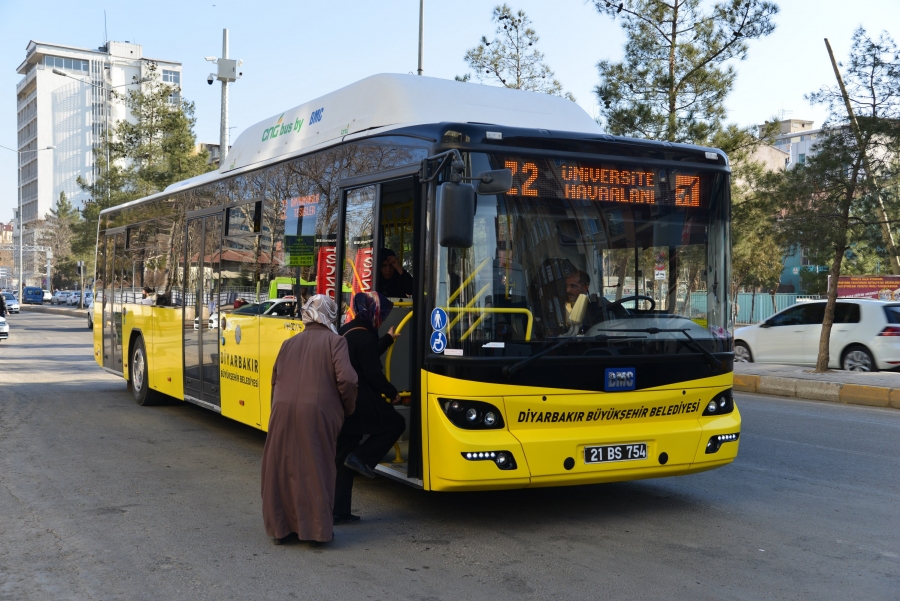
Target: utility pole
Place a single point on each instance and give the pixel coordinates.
(421, 32)
(223, 119)
(886, 232)
(227, 72)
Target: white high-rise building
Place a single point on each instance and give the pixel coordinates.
(71, 116)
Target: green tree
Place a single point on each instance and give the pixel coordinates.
(512, 58)
(57, 232)
(757, 256)
(672, 83)
(156, 149)
(830, 203)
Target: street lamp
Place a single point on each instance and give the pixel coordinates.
(21, 224)
(135, 81)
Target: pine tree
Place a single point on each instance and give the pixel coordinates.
(512, 58)
(673, 80)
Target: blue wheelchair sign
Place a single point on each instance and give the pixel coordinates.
(438, 342)
(438, 319)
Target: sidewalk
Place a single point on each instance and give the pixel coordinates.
(55, 310)
(878, 389)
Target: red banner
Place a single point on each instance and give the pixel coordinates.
(326, 270)
(362, 270)
(883, 287)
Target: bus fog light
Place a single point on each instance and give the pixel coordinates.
(711, 407)
(472, 415)
(715, 443)
(502, 459)
(490, 419)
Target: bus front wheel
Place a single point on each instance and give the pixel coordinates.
(140, 381)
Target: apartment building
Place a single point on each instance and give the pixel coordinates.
(64, 104)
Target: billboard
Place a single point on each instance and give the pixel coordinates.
(883, 287)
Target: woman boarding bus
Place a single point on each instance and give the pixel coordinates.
(568, 321)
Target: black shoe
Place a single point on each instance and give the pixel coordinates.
(345, 519)
(278, 541)
(358, 466)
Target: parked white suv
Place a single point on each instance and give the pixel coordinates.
(865, 336)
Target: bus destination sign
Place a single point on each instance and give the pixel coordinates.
(606, 183)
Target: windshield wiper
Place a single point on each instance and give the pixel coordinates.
(710, 358)
(510, 370)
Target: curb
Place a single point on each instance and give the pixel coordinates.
(54, 310)
(834, 392)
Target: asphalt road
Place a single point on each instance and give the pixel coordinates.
(101, 499)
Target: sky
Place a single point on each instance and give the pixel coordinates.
(296, 51)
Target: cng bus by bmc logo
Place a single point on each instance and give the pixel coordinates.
(316, 116)
(619, 378)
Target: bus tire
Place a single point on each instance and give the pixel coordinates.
(139, 372)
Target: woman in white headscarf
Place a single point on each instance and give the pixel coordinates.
(313, 388)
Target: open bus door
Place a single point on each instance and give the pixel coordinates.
(382, 212)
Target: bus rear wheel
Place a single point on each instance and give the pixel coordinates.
(140, 381)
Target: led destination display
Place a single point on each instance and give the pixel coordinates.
(606, 182)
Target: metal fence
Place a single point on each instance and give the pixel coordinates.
(762, 308)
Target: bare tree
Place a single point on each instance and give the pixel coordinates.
(512, 58)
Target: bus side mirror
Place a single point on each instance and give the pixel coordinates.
(494, 182)
(457, 212)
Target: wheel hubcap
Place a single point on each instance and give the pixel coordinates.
(857, 361)
(137, 370)
(741, 354)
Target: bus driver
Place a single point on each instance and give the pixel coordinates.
(578, 283)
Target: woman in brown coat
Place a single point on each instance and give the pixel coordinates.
(313, 388)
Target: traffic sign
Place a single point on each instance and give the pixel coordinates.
(438, 319)
(438, 342)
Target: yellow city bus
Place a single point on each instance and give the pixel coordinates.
(569, 322)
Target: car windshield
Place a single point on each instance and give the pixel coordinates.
(648, 249)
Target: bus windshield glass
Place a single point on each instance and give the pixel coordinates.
(648, 247)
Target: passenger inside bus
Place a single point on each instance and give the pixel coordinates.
(394, 281)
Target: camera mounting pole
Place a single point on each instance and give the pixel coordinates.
(228, 72)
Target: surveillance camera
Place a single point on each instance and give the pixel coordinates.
(210, 79)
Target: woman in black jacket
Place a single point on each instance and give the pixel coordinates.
(375, 414)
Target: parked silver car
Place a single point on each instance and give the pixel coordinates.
(12, 305)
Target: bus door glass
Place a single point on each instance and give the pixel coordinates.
(243, 255)
(112, 302)
(201, 309)
(359, 250)
(394, 274)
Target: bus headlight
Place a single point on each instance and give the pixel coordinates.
(721, 404)
(472, 415)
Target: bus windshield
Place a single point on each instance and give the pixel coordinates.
(648, 247)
